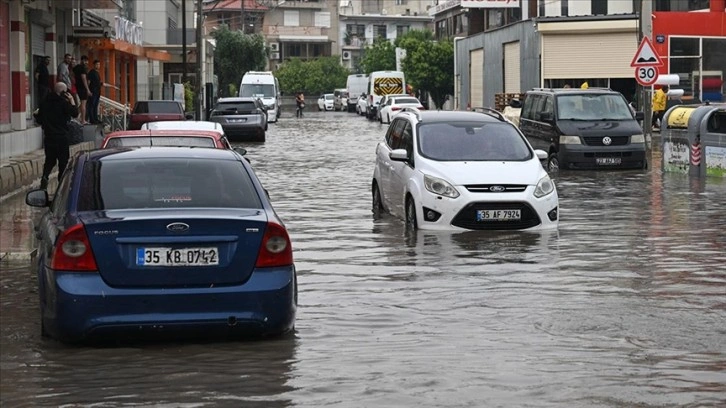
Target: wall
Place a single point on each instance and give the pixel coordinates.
(700, 24)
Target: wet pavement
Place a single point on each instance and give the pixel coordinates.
(624, 305)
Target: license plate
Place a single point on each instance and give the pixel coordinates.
(608, 160)
(177, 257)
(498, 215)
(238, 120)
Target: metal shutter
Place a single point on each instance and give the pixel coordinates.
(476, 78)
(588, 55)
(511, 68)
(37, 39)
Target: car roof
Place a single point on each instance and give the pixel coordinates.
(165, 132)
(159, 152)
(574, 90)
(454, 116)
(183, 125)
(238, 99)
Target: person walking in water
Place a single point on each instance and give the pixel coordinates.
(300, 101)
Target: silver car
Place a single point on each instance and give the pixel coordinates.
(242, 118)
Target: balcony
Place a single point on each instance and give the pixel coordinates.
(174, 36)
(297, 31)
(303, 4)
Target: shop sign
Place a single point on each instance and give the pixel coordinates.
(129, 31)
(443, 6)
(490, 3)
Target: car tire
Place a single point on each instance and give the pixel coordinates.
(319, 108)
(411, 222)
(388, 117)
(553, 162)
(261, 137)
(376, 199)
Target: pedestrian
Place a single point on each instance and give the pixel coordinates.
(63, 73)
(95, 84)
(72, 86)
(56, 110)
(80, 72)
(300, 101)
(659, 105)
(584, 85)
(42, 79)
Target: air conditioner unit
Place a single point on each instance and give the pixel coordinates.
(275, 56)
(274, 47)
(346, 55)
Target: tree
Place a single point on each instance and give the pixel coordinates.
(312, 77)
(429, 66)
(235, 54)
(381, 56)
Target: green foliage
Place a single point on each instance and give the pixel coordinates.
(189, 96)
(381, 56)
(237, 53)
(313, 77)
(429, 65)
(232, 89)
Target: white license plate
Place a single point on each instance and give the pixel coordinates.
(242, 120)
(177, 257)
(608, 160)
(498, 215)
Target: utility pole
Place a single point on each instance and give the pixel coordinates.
(184, 41)
(200, 62)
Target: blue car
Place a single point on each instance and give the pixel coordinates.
(162, 240)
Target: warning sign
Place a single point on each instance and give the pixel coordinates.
(646, 55)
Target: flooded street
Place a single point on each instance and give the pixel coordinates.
(624, 305)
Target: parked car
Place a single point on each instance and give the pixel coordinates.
(362, 106)
(382, 102)
(395, 104)
(243, 119)
(462, 171)
(155, 138)
(155, 111)
(162, 241)
(325, 102)
(340, 99)
(583, 128)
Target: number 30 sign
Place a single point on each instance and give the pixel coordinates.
(646, 76)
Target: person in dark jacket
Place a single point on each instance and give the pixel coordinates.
(94, 83)
(56, 110)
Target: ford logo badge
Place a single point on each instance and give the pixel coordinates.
(606, 141)
(497, 189)
(178, 227)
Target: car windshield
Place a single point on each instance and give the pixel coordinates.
(593, 107)
(405, 100)
(472, 141)
(192, 141)
(233, 108)
(166, 183)
(157, 107)
(329, 96)
(257, 90)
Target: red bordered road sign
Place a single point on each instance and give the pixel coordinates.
(646, 76)
(646, 56)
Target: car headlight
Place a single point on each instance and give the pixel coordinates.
(637, 139)
(570, 140)
(544, 187)
(440, 186)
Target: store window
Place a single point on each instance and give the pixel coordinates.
(699, 64)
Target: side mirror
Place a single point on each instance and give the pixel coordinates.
(189, 116)
(547, 116)
(515, 103)
(398, 155)
(37, 198)
(640, 115)
(241, 150)
(541, 154)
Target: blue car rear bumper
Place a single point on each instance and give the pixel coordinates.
(81, 306)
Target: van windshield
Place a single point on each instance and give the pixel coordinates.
(257, 90)
(593, 107)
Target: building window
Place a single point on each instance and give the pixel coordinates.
(564, 11)
(317, 50)
(401, 2)
(322, 19)
(541, 8)
(402, 30)
(380, 31)
(599, 7)
(223, 18)
(358, 30)
(292, 18)
(293, 50)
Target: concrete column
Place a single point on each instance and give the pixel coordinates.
(18, 74)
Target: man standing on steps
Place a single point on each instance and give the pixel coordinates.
(56, 110)
(94, 83)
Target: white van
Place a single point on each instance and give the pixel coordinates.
(383, 83)
(357, 84)
(263, 85)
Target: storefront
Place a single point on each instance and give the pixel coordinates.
(692, 45)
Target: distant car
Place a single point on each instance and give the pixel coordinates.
(340, 101)
(462, 171)
(155, 111)
(395, 104)
(162, 241)
(155, 138)
(362, 105)
(184, 125)
(242, 118)
(325, 102)
(376, 111)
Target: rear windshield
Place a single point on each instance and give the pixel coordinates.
(161, 141)
(593, 107)
(157, 107)
(166, 183)
(472, 141)
(406, 100)
(233, 108)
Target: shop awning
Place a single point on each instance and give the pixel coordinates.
(108, 44)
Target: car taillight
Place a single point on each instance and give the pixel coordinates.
(421, 107)
(73, 251)
(394, 108)
(276, 249)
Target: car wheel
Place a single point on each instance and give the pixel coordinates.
(377, 201)
(319, 108)
(553, 162)
(645, 165)
(411, 214)
(261, 137)
(388, 117)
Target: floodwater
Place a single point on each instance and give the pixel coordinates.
(623, 306)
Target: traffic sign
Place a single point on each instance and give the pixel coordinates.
(646, 76)
(646, 56)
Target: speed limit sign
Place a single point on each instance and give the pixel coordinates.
(647, 75)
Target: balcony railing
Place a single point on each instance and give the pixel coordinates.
(287, 30)
(307, 4)
(174, 36)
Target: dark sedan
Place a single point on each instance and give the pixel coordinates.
(243, 119)
(162, 240)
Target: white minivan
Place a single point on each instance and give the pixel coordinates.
(383, 83)
(263, 85)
